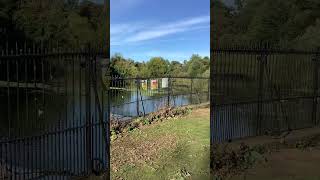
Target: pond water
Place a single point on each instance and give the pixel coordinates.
(125, 103)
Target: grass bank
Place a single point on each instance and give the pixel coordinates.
(177, 148)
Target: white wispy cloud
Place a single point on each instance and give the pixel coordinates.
(167, 29)
(119, 32)
(131, 33)
(125, 28)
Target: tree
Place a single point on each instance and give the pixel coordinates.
(68, 22)
(222, 20)
(122, 67)
(311, 38)
(143, 70)
(197, 66)
(176, 69)
(158, 67)
(8, 33)
(275, 21)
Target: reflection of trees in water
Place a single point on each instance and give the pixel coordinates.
(119, 97)
(150, 101)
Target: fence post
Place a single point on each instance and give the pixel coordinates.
(169, 86)
(315, 89)
(159, 85)
(138, 88)
(208, 94)
(262, 60)
(191, 83)
(88, 113)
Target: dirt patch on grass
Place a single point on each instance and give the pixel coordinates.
(129, 151)
(202, 112)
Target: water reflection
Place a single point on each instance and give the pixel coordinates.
(126, 102)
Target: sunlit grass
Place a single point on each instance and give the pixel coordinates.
(172, 149)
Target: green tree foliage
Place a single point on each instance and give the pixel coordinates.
(311, 38)
(176, 69)
(6, 7)
(123, 67)
(222, 20)
(196, 66)
(7, 27)
(158, 67)
(289, 22)
(69, 22)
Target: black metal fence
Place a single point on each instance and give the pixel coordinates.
(132, 97)
(54, 113)
(263, 90)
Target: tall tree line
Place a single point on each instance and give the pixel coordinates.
(293, 23)
(68, 22)
(196, 66)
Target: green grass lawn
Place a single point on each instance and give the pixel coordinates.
(172, 149)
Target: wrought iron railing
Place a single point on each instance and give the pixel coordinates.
(138, 96)
(263, 90)
(54, 113)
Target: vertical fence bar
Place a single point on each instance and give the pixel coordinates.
(137, 94)
(191, 89)
(8, 95)
(35, 83)
(315, 90)
(26, 89)
(261, 60)
(88, 115)
(18, 97)
(169, 85)
(208, 93)
(2, 173)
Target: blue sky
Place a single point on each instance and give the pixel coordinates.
(173, 29)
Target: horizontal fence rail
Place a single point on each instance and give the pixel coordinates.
(54, 113)
(263, 91)
(139, 96)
